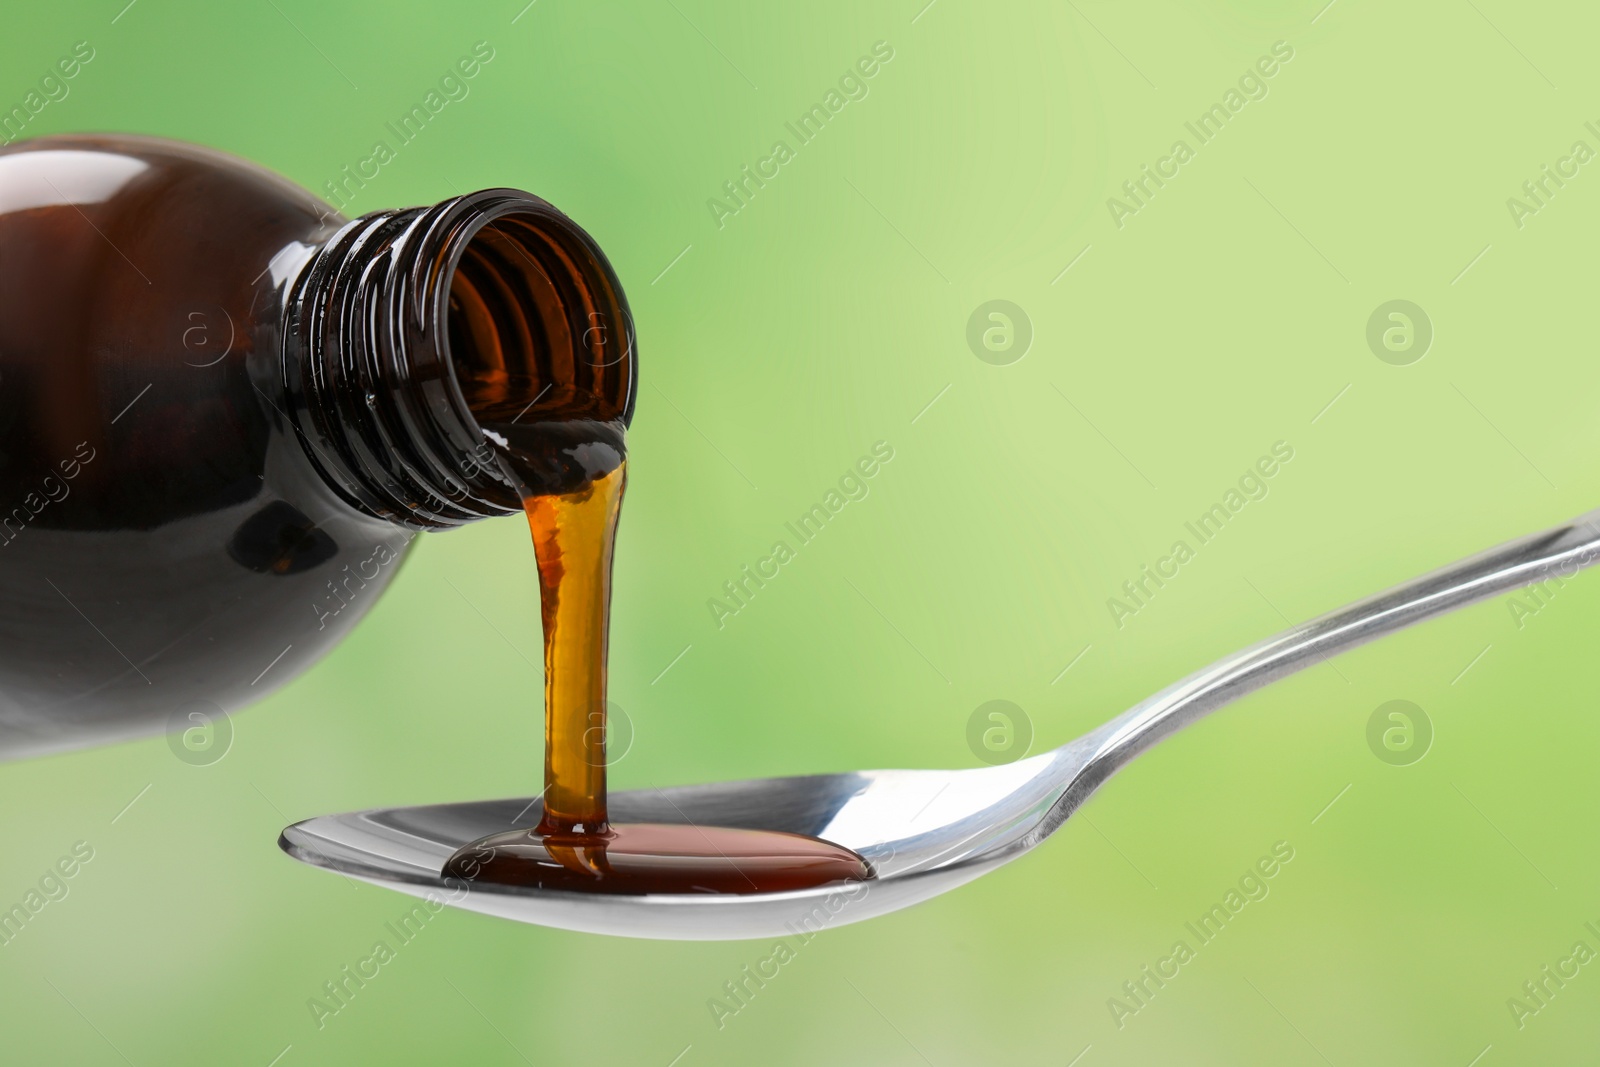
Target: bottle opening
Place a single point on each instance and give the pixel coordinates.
(534, 331)
(431, 350)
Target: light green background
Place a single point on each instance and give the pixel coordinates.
(1223, 317)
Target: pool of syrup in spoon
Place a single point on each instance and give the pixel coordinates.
(574, 846)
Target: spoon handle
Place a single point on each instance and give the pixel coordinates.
(1557, 553)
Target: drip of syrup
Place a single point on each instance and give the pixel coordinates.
(574, 846)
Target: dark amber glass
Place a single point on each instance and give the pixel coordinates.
(225, 411)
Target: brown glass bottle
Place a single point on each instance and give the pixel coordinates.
(225, 411)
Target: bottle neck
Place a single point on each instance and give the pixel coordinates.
(409, 331)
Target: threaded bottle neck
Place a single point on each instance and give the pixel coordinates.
(411, 332)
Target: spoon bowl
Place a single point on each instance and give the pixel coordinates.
(924, 832)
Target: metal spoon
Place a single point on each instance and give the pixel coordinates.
(924, 832)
